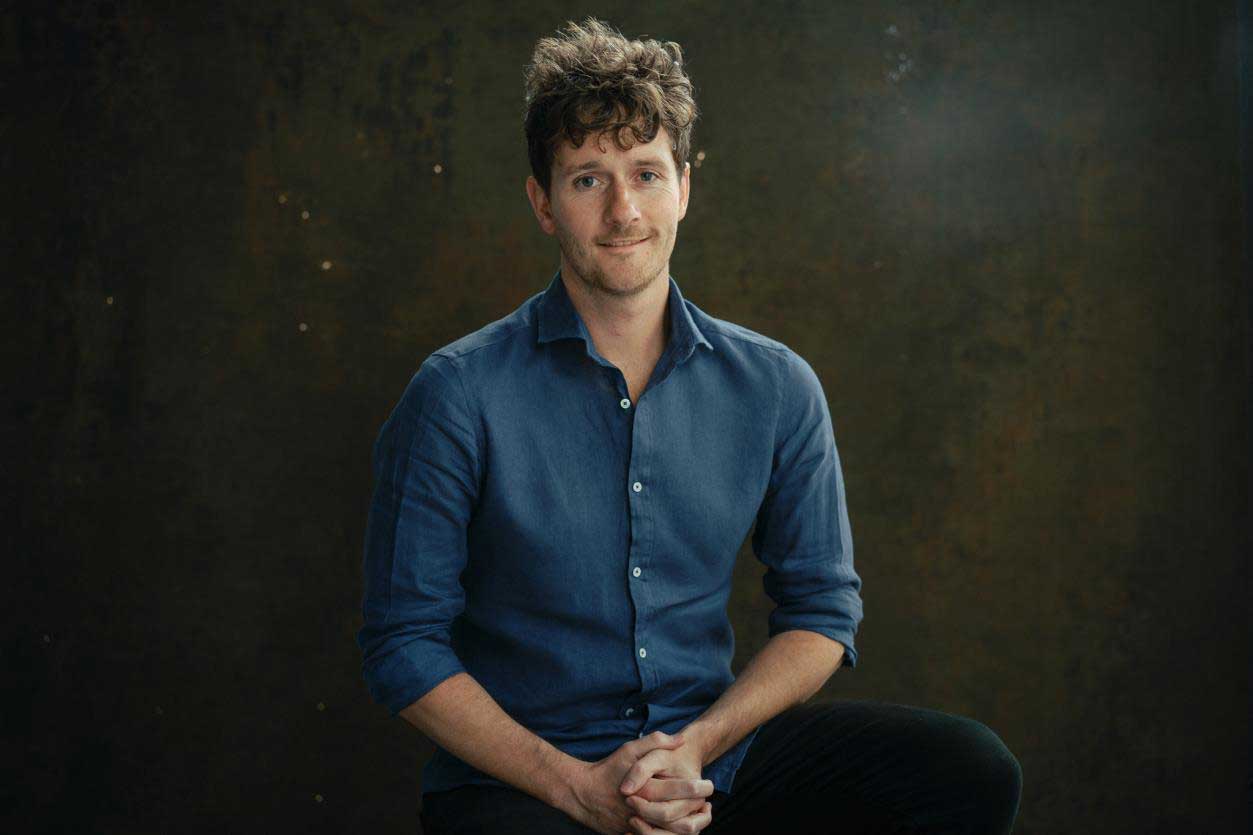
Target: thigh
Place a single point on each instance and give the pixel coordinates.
(474, 809)
(862, 766)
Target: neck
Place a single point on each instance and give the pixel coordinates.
(626, 330)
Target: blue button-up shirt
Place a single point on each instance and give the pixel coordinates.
(572, 549)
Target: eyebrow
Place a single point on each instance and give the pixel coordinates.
(591, 165)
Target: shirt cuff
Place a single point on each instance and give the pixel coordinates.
(409, 672)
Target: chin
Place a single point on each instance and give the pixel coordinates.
(624, 285)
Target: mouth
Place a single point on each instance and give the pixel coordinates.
(624, 247)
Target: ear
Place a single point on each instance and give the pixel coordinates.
(685, 186)
(540, 205)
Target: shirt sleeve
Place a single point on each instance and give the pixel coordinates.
(802, 533)
(426, 477)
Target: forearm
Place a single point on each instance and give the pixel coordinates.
(789, 669)
(463, 719)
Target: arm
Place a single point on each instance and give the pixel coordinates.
(788, 670)
(463, 719)
(427, 471)
(426, 476)
(804, 539)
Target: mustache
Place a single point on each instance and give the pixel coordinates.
(626, 235)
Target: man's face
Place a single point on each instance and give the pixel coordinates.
(600, 194)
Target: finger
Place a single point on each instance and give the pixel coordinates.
(662, 813)
(644, 768)
(706, 816)
(657, 739)
(642, 827)
(684, 826)
(692, 823)
(676, 788)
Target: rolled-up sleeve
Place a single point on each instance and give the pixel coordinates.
(802, 533)
(426, 476)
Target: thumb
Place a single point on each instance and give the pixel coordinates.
(654, 762)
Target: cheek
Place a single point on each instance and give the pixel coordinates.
(665, 208)
(575, 221)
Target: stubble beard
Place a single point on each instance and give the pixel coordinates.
(588, 269)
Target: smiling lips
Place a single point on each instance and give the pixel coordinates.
(624, 246)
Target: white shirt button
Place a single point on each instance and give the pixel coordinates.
(630, 710)
(643, 652)
(636, 572)
(637, 487)
(624, 403)
(640, 735)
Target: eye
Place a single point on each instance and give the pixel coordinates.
(656, 176)
(581, 179)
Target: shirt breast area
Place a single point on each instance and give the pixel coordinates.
(574, 474)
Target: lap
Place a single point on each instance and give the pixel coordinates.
(871, 766)
(860, 766)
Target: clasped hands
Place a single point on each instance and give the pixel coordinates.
(649, 786)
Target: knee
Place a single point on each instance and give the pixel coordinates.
(994, 772)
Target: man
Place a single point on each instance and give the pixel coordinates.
(560, 499)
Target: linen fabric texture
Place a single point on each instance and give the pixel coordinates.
(572, 549)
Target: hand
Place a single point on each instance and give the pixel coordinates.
(659, 790)
(595, 798)
(694, 822)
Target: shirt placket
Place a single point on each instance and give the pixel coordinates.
(639, 503)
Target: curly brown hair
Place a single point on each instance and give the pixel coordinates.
(591, 79)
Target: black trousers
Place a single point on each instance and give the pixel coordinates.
(847, 767)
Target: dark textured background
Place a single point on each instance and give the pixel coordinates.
(1015, 263)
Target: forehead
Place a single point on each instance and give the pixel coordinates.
(600, 149)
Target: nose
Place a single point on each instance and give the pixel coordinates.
(621, 210)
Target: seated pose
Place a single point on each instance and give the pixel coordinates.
(560, 497)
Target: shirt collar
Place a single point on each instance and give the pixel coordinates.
(559, 320)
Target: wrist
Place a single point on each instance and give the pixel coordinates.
(700, 736)
(568, 773)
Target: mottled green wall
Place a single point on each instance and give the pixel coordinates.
(1006, 235)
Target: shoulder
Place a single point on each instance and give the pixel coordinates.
(452, 372)
(478, 357)
(499, 334)
(724, 334)
(751, 348)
